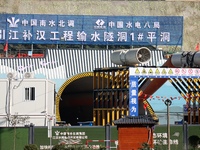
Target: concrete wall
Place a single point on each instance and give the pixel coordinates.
(189, 9)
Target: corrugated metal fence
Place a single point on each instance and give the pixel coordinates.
(64, 63)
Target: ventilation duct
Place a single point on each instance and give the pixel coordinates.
(186, 59)
(131, 57)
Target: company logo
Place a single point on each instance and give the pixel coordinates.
(12, 22)
(100, 24)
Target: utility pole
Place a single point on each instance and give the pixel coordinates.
(50, 130)
(168, 103)
(185, 135)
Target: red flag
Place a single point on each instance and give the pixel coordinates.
(158, 97)
(188, 95)
(197, 47)
(145, 106)
(145, 95)
(5, 47)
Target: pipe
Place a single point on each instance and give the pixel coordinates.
(186, 59)
(131, 57)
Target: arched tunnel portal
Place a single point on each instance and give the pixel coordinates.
(74, 101)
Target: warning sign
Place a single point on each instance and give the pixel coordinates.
(164, 72)
(196, 71)
(137, 71)
(177, 71)
(150, 71)
(144, 71)
(183, 71)
(190, 71)
(157, 72)
(170, 72)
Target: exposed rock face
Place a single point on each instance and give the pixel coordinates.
(189, 9)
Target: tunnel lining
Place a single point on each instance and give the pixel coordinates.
(62, 88)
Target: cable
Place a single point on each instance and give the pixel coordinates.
(16, 86)
(7, 106)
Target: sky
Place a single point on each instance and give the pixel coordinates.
(167, 90)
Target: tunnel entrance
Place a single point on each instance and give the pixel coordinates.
(76, 104)
(75, 99)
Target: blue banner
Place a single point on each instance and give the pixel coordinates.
(133, 96)
(93, 30)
